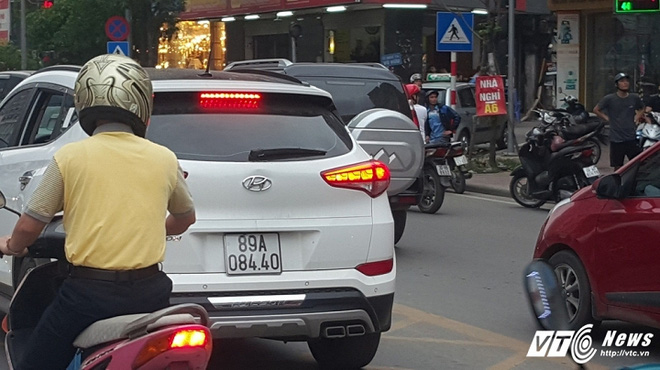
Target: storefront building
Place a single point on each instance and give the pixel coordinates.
(596, 39)
(402, 36)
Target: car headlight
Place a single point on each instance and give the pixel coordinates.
(562, 203)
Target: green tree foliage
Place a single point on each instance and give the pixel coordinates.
(10, 59)
(73, 31)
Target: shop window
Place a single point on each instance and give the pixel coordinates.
(190, 44)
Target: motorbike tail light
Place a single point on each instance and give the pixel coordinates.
(236, 100)
(372, 177)
(172, 341)
(376, 268)
(587, 152)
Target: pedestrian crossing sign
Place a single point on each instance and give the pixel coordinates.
(118, 47)
(454, 32)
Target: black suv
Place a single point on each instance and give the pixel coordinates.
(356, 88)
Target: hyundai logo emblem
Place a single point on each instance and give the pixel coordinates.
(257, 183)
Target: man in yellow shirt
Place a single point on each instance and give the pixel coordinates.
(115, 189)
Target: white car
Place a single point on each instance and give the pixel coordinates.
(294, 234)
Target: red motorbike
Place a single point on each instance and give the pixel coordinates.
(174, 337)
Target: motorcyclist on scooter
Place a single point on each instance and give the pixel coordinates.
(115, 189)
(441, 119)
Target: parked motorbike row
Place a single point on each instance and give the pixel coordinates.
(174, 337)
(559, 156)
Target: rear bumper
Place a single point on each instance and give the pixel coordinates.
(293, 314)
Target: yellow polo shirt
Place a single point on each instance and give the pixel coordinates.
(115, 189)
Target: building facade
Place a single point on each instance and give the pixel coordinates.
(605, 41)
(378, 31)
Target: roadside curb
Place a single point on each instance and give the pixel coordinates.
(486, 189)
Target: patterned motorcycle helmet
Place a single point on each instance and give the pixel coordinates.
(115, 88)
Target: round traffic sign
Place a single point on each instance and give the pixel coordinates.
(117, 28)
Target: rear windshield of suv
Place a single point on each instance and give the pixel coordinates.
(354, 96)
(231, 133)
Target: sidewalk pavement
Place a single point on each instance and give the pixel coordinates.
(498, 183)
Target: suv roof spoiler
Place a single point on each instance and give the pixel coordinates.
(276, 64)
(62, 67)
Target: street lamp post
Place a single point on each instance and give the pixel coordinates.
(23, 40)
(511, 79)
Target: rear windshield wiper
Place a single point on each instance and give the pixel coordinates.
(257, 155)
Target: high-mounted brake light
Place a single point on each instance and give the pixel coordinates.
(237, 100)
(376, 268)
(184, 338)
(372, 177)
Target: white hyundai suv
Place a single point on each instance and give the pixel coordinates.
(294, 235)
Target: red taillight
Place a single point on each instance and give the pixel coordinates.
(587, 152)
(184, 338)
(376, 268)
(372, 177)
(229, 100)
(189, 338)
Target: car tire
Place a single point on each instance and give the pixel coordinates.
(518, 190)
(433, 194)
(399, 217)
(574, 283)
(345, 353)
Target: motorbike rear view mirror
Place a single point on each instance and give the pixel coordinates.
(609, 187)
(545, 296)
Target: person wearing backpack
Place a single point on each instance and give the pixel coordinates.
(441, 119)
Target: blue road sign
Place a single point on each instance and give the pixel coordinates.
(118, 47)
(454, 31)
(391, 60)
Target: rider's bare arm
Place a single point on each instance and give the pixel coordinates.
(26, 231)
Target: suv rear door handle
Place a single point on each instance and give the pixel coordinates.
(25, 179)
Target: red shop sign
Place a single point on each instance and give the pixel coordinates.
(490, 96)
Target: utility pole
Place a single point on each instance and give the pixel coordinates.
(23, 40)
(511, 82)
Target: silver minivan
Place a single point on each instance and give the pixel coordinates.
(466, 106)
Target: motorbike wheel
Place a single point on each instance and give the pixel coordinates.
(458, 181)
(595, 157)
(518, 190)
(433, 194)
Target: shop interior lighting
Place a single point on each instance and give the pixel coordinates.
(335, 9)
(251, 17)
(284, 14)
(405, 6)
(228, 19)
(479, 11)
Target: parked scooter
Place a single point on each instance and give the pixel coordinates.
(174, 337)
(444, 166)
(648, 133)
(551, 167)
(574, 124)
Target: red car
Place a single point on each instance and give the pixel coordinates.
(604, 244)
